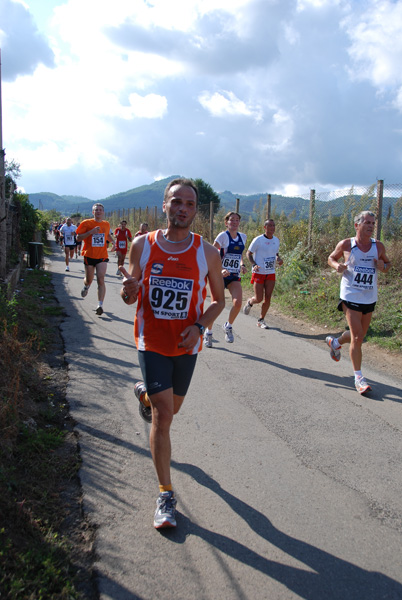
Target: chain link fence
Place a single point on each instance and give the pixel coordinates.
(318, 215)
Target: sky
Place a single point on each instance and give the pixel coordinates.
(253, 96)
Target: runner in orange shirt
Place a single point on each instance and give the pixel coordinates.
(168, 273)
(95, 233)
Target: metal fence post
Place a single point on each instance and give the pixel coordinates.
(380, 196)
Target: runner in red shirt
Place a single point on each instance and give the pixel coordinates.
(123, 236)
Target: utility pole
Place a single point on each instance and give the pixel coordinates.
(3, 214)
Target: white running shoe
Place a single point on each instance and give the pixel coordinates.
(247, 307)
(362, 386)
(229, 338)
(208, 339)
(165, 514)
(261, 323)
(144, 405)
(334, 354)
(67, 268)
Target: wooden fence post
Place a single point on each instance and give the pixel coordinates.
(268, 206)
(311, 219)
(237, 205)
(380, 196)
(211, 222)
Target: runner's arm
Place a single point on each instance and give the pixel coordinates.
(85, 234)
(383, 263)
(130, 288)
(333, 258)
(191, 334)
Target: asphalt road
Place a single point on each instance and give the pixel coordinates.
(289, 484)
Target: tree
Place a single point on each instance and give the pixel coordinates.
(206, 195)
(29, 219)
(12, 169)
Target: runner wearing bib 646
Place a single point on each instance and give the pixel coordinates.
(168, 273)
(263, 253)
(95, 233)
(231, 245)
(363, 257)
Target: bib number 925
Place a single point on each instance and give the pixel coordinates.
(168, 299)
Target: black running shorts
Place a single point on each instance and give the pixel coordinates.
(363, 308)
(163, 372)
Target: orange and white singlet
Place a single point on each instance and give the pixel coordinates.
(94, 246)
(171, 296)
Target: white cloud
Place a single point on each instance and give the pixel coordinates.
(256, 94)
(150, 106)
(376, 43)
(223, 104)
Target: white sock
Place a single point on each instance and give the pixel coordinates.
(336, 344)
(358, 374)
(208, 330)
(100, 303)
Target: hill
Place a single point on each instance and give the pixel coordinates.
(152, 195)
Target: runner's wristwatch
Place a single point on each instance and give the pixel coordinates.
(200, 327)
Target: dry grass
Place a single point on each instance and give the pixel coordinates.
(45, 541)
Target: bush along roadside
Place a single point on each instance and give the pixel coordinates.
(46, 543)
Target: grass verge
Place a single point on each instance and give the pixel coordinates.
(45, 541)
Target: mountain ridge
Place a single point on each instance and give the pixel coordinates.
(151, 196)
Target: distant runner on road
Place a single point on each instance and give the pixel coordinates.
(263, 253)
(123, 236)
(67, 232)
(363, 257)
(168, 272)
(95, 233)
(144, 228)
(231, 244)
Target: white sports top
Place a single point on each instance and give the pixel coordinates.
(265, 250)
(359, 281)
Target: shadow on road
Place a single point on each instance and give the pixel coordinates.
(380, 391)
(333, 577)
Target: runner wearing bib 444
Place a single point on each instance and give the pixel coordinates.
(231, 244)
(363, 257)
